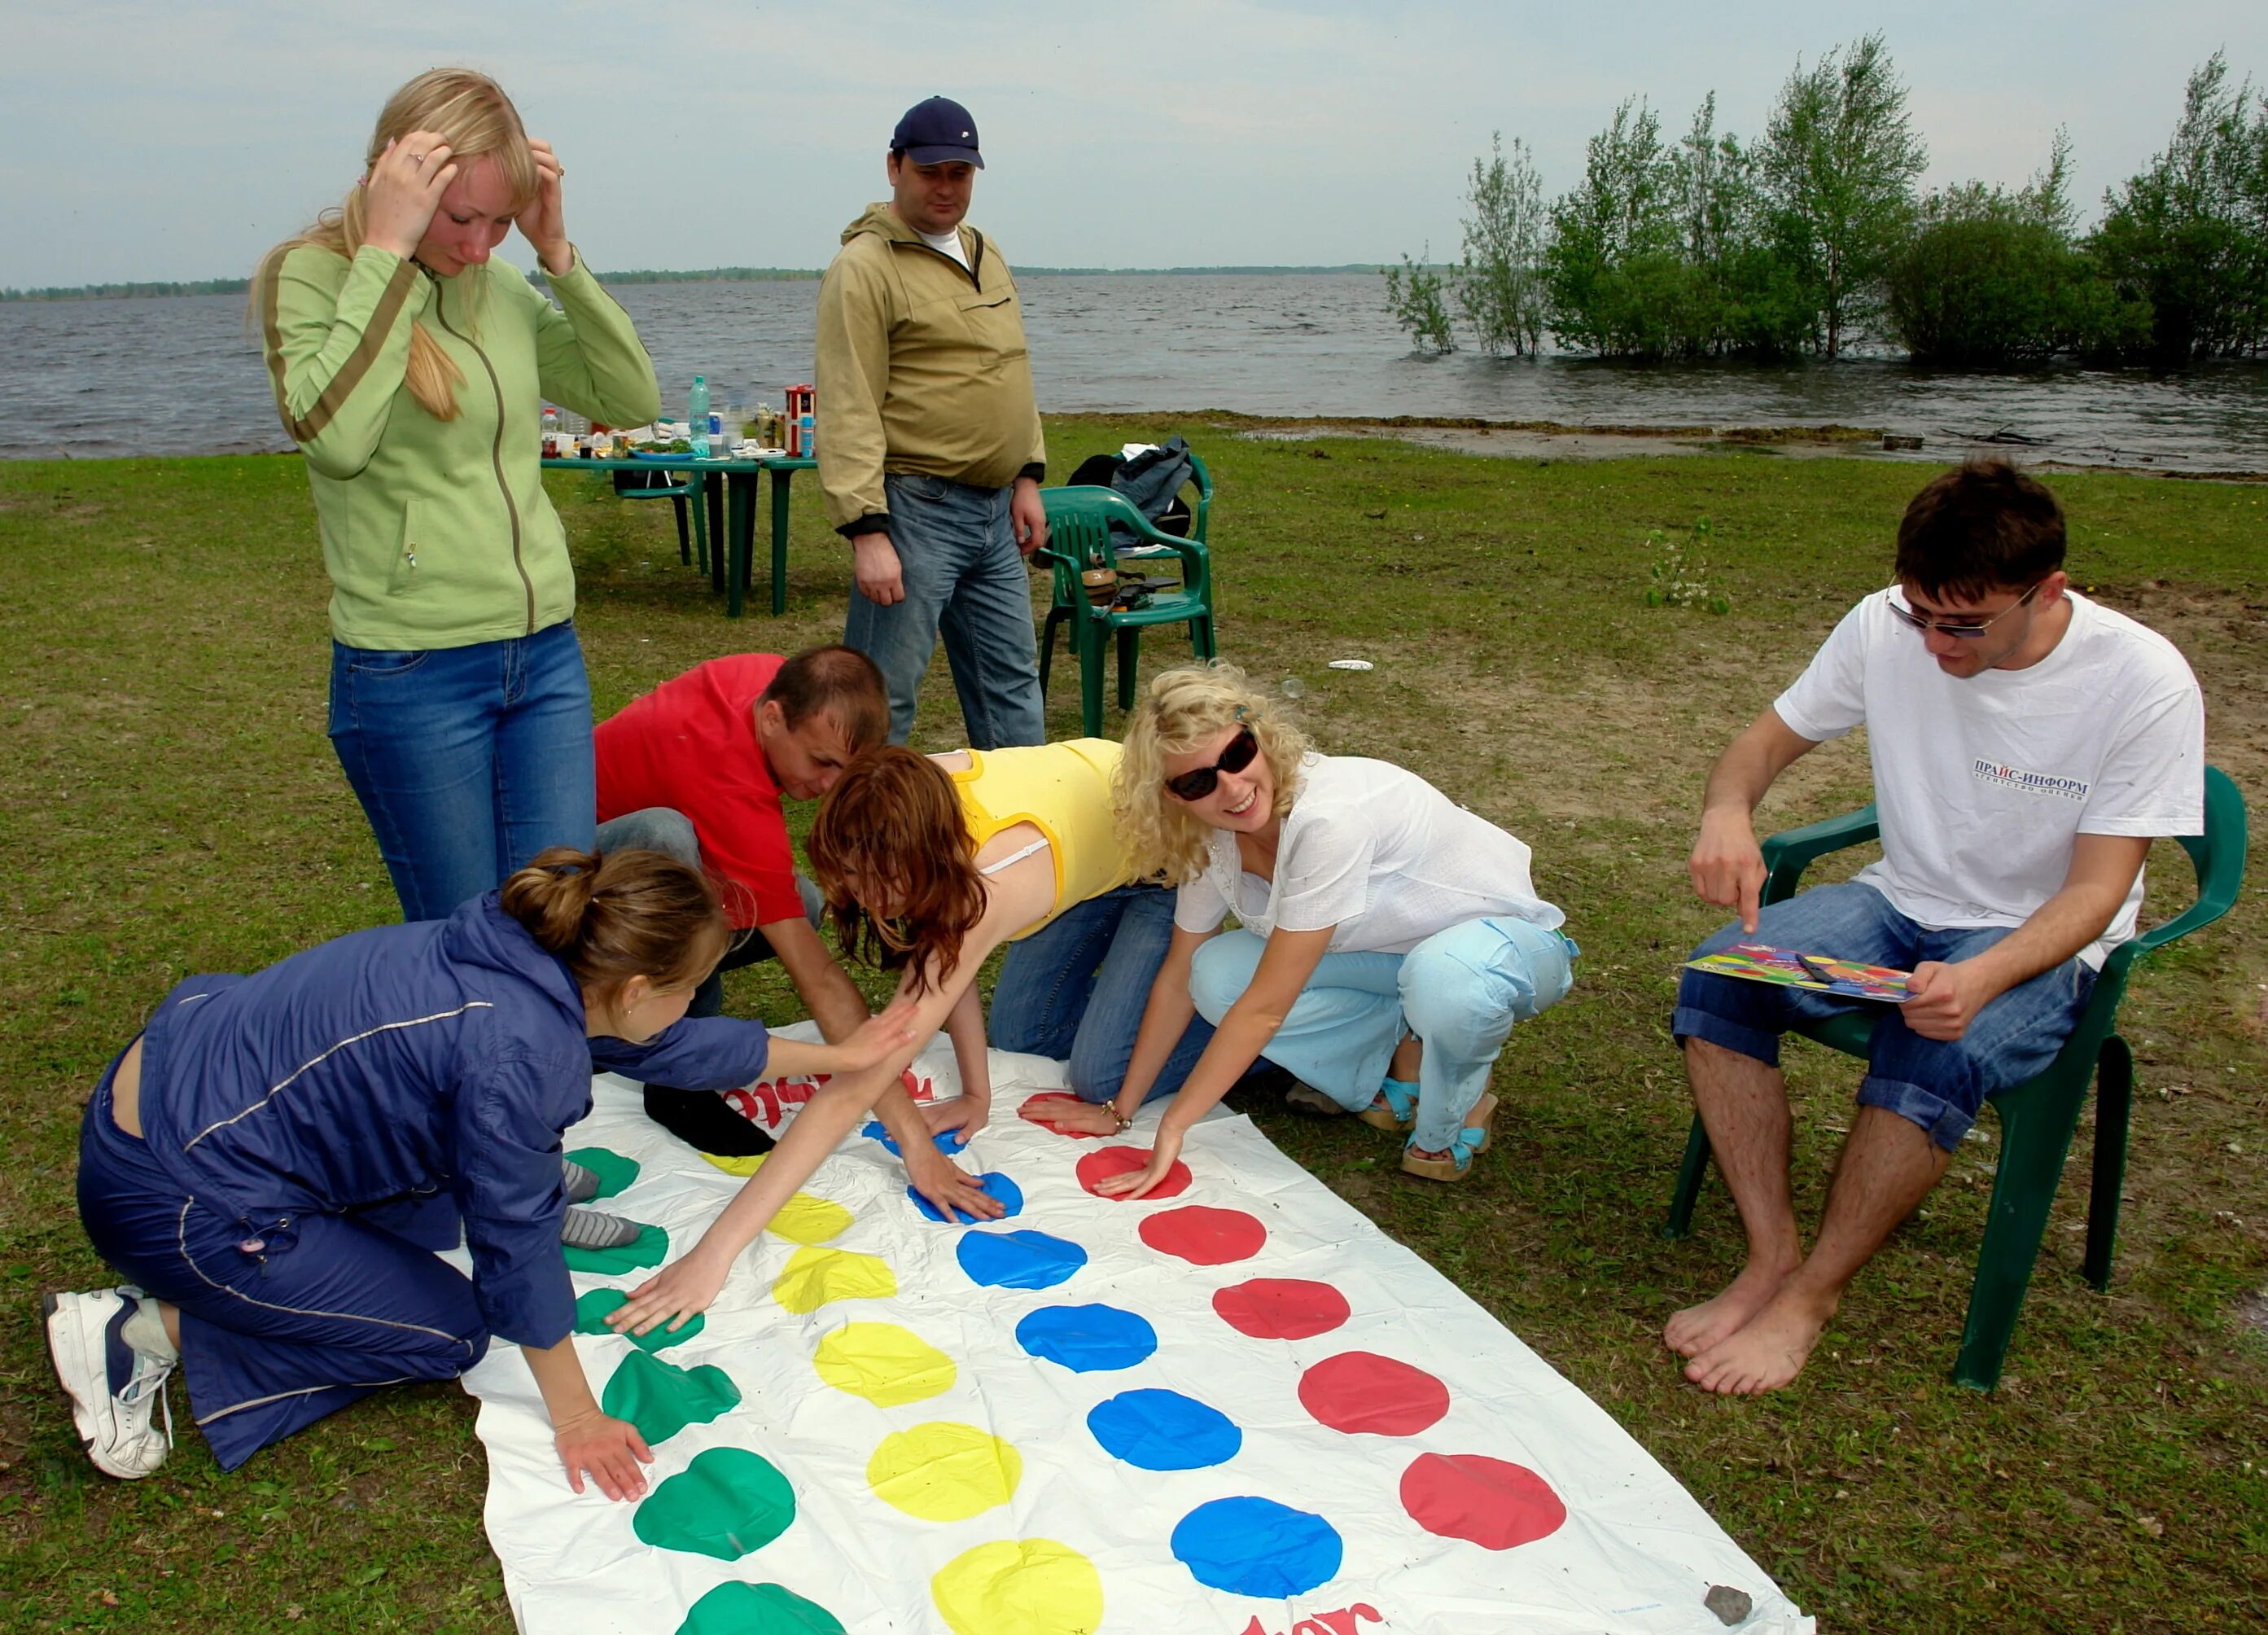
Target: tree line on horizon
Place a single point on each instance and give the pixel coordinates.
(1814, 239)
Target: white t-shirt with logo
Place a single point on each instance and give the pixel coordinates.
(1376, 853)
(1982, 782)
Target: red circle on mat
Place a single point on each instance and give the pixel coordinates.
(1279, 1308)
(1361, 1391)
(1204, 1237)
(1037, 1108)
(1097, 1167)
(1483, 1501)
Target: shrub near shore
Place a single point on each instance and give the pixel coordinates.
(169, 805)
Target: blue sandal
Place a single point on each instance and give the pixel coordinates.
(1470, 1143)
(1396, 1108)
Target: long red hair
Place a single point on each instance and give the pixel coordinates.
(892, 834)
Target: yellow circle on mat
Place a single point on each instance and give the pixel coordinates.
(1019, 1586)
(887, 1366)
(804, 1218)
(736, 1165)
(941, 1472)
(814, 1276)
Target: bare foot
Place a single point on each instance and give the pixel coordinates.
(1695, 1330)
(1766, 1354)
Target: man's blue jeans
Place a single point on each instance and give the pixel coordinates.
(1076, 988)
(467, 761)
(1938, 1085)
(965, 580)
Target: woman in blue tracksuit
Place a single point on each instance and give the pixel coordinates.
(250, 1159)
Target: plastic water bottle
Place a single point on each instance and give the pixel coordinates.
(696, 416)
(719, 445)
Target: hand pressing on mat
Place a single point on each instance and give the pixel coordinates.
(1168, 1148)
(610, 1450)
(967, 1113)
(1077, 1118)
(950, 1187)
(677, 1294)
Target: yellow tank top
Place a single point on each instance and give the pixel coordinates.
(1063, 790)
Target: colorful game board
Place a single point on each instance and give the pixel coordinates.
(1235, 1408)
(1760, 961)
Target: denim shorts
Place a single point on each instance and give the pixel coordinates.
(1938, 1085)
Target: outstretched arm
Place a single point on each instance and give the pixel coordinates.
(588, 1439)
(1728, 865)
(1289, 959)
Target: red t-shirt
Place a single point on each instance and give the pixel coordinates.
(691, 744)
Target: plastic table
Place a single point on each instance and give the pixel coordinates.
(728, 488)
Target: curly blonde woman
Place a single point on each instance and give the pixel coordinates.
(1387, 939)
(410, 368)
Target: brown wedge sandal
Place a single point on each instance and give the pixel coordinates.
(1471, 1142)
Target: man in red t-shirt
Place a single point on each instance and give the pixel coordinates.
(696, 769)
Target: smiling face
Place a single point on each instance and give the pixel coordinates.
(475, 212)
(1243, 802)
(931, 198)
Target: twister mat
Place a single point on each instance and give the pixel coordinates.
(1235, 1408)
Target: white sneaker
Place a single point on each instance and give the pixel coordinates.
(114, 1388)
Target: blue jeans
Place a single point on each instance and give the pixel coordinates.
(669, 831)
(467, 761)
(1937, 1085)
(965, 579)
(1459, 991)
(1076, 990)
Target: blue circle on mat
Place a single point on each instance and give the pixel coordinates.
(992, 1183)
(1164, 1431)
(1257, 1547)
(1018, 1260)
(944, 1141)
(1087, 1339)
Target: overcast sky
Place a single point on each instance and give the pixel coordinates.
(179, 140)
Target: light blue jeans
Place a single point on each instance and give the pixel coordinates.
(1460, 992)
(467, 761)
(965, 580)
(1076, 990)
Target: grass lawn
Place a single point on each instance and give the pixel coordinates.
(168, 804)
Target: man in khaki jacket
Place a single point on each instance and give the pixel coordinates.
(930, 449)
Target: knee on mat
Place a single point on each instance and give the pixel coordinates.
(653, 828)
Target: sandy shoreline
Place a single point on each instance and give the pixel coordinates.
(1518, 440)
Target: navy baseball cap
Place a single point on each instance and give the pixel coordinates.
(939, 131)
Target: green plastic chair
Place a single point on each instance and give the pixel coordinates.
(2038, 1116)
(1079, 524)
(679, 486)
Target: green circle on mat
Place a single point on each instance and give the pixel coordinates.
(591, 1311)
(662, 1399)
(726, 1504)
(739, 1609)
(615, 1172)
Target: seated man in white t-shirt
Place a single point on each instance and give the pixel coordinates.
(2026, 744)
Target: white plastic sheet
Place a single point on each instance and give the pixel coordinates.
(1634, 1552)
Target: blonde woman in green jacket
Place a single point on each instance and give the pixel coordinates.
(411, 368)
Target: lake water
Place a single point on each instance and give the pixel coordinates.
(183, 375)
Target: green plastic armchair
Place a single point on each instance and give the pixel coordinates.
(1079, 527)
(2038, 1116)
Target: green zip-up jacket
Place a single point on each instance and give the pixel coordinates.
(438, 533)
(921, 367)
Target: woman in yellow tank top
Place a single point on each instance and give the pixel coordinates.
(929, 863)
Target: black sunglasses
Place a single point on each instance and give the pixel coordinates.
(1199, 782)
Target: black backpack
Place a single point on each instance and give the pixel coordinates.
(1151, 481)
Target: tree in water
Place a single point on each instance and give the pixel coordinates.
(1840, 159)
(1500, 282)
(1413, 295)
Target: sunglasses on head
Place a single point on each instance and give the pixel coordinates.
(1199, 782)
